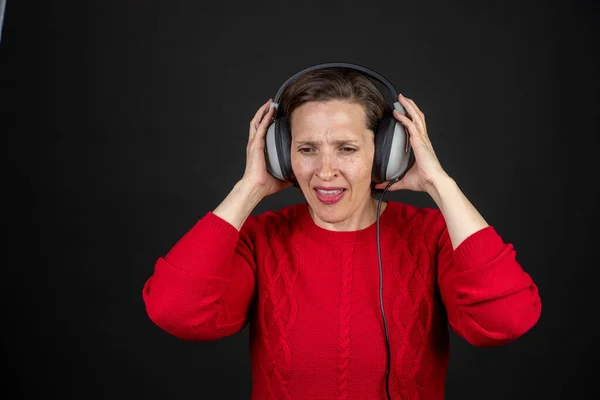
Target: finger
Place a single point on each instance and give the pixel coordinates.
(420, 123)
(266, 121)
(417, 116)
(410, 125)
(261, 111)
(258, 135)
(257, 117)
(404, 119)
(413, 105)
(262, 115)
(416, 107)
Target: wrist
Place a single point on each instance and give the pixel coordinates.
(249, 191)
(439, 184)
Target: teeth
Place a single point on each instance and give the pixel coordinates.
(329, 192)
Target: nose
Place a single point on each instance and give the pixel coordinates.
(328, 169)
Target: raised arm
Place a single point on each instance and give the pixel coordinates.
(203, 288)
(489, 298)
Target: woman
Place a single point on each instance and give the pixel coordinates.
(306, 277)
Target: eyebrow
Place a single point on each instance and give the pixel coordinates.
(337, 142)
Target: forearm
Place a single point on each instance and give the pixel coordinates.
(462, 219)
(202, 288)
(490, 300)
(238, 204)
(199, 307)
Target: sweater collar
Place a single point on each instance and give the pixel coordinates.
(314, 231)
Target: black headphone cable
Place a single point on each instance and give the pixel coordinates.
(387, 341)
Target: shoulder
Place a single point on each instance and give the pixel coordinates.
(272, 221)
(428, 220)
(285, 215)
(409, 212)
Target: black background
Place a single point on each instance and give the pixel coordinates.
(124, 121)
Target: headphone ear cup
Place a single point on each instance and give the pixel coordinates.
(392, 150)
(271, 154)
(284, 146)
(277, 149)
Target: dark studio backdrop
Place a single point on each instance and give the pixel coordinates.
(125, 121)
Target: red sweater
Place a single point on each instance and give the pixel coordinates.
(311, 297)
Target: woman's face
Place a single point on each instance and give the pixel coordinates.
(332, 149)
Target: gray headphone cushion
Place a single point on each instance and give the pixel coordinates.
(271, 156)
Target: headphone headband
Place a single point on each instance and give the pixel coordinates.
(365, 70)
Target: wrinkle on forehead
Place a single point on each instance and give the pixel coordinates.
(329, 121)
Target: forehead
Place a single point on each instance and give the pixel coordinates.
(331, 120)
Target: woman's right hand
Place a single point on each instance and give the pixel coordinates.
(256, 173)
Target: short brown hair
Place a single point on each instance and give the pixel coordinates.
(335, 83)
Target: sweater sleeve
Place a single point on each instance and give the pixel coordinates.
(490, 300)
(203, 288)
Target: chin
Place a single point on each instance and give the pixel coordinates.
(330, 213)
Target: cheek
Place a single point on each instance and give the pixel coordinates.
(360, 167)
(302, 166)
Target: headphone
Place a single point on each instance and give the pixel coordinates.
(393, 158)
(393, 153)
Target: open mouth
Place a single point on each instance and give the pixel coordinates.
(329, 196)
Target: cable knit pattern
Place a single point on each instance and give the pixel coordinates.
(345, 308)
(278, 316)
(412, 310)
(311, 299)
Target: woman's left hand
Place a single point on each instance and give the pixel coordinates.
(426, 169)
